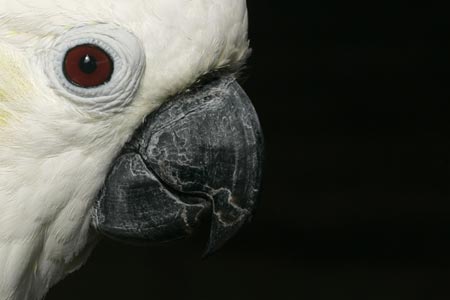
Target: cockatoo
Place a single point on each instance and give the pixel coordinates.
(121, 118)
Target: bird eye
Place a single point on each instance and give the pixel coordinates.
(88, 66)
(98, 67)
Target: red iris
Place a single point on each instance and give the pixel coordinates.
(88, 66)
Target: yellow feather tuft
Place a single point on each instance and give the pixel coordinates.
(13, 82)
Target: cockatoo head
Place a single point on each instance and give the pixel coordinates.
(119, 117)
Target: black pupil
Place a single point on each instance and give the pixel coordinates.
(88, 64)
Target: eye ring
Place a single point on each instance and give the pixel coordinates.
(114, 90)
(88, 66)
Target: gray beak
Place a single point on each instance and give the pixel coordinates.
(198, 155)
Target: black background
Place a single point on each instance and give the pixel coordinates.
(353, 98)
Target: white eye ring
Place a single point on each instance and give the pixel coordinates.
(125, 50)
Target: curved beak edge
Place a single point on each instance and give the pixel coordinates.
(198, 155)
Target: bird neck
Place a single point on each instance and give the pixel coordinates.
(45, 217)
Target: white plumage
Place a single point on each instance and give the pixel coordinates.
(55, 151)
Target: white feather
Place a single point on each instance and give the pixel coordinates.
(54, 153)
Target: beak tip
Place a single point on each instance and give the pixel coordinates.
(222, 231)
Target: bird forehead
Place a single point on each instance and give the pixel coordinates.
(185, 15)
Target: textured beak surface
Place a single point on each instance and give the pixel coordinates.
(198, 155)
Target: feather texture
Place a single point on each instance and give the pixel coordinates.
(55, 154)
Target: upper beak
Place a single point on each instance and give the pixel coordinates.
(200, 153)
